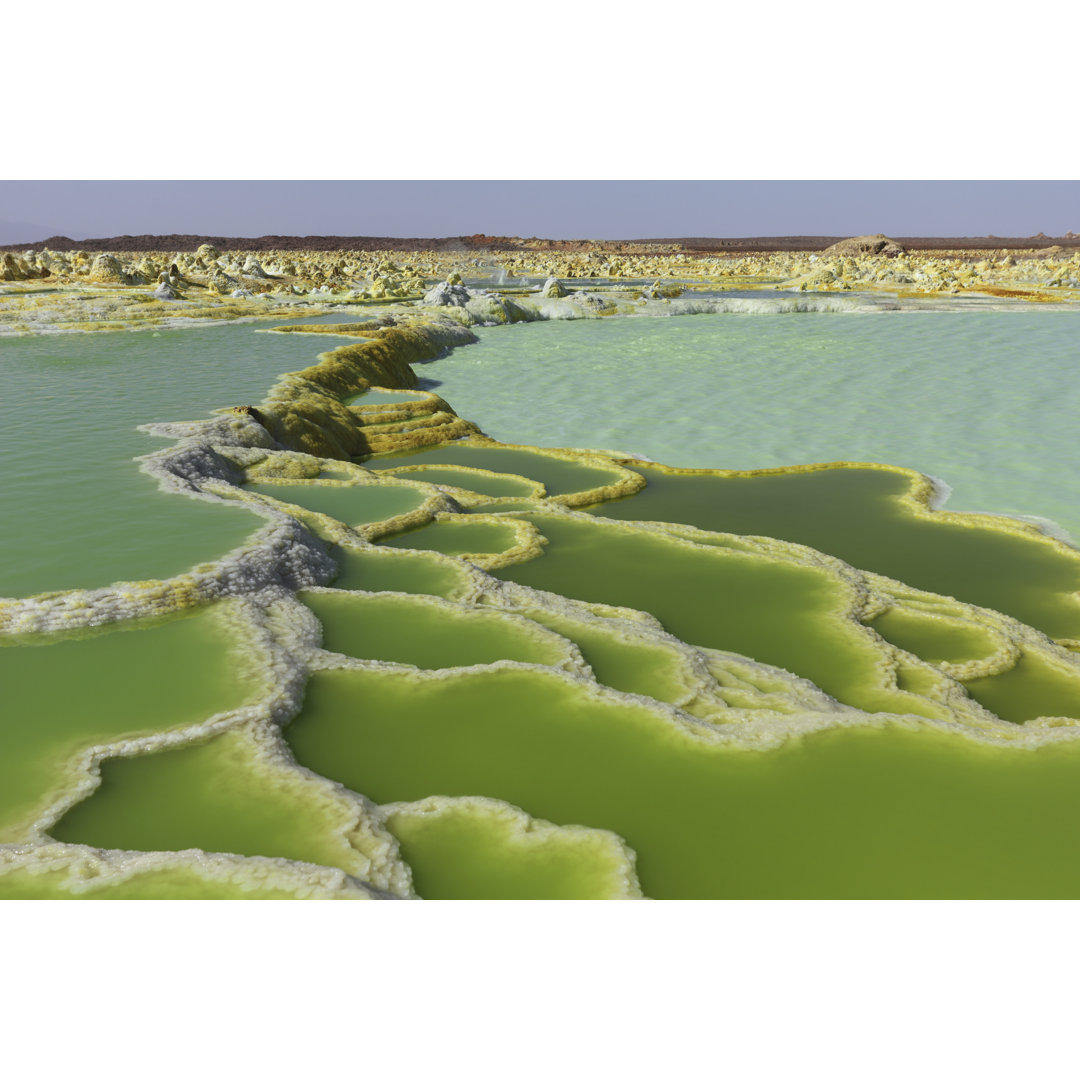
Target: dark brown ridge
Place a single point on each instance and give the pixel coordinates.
(482, 243)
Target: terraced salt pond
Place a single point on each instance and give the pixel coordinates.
(847, 812)
(860, 516)
(411, 630)
(415, 572)
(559, 477)
(66, 693)
(212, 795)
(351, 504)
(458, 538)
(785, 684)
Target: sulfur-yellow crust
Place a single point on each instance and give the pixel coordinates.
(80, 291)
(305, 410)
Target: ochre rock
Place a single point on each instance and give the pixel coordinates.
(107, 269)
(12, 269)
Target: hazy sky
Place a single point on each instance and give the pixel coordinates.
(560, 209)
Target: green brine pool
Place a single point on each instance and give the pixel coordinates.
(764, 682)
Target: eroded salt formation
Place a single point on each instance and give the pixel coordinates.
(77, 290)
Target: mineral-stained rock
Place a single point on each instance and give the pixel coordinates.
(107, 269)
(220, 282)
(148, 268)
(586, 300)
(489, 308)
(553, 287)
(252, 268)
(659, 291)
(447, 295)
(12, 269)
(386, 287)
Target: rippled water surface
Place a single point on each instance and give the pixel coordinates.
(76, 510)
(986, 401)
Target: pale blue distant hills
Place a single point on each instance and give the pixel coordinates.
(24, 232)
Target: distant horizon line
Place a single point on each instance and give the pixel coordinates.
(477, 240)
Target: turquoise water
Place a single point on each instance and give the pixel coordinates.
(986, 401)
(77, 512)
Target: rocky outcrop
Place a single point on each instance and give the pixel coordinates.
(659, 291)
(220, 282)
(107, 270)
(252, 268)
(447, 295)
(878, 244)
(12, 269)
(588, 301)
(553, 288)
(385, 287)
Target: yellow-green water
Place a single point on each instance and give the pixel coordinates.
(376, 571)
(652, 670)
(358, 504)
(214, 795)
(934, 639)
(495, 486)
(558, 477)
(457, 537)
(66, 693)
(410, 630)
(858, 515)
(848, 812)
(459, 852)
(779, 613)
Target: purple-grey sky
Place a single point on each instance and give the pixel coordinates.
(560, 209)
